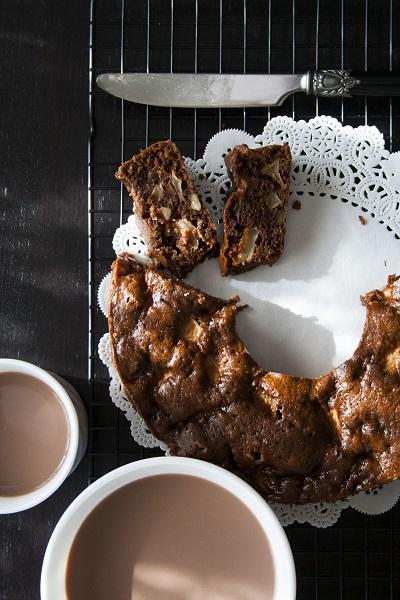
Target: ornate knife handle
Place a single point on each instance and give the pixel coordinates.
(344, 84)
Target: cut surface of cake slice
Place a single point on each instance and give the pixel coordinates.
(177, 227)
(186, 371)
(255, 212)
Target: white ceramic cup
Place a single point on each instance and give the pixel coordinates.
(56, 557)
(78, 428)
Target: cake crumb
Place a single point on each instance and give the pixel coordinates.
(362, 220)
(296, 205)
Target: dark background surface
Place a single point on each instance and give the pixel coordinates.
(43, 232)
(44, 120)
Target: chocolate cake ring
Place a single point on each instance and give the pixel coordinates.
(189, 375)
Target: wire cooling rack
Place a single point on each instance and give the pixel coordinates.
(358, 558)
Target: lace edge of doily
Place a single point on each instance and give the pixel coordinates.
(322, 515)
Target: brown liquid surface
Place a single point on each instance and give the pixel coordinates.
(170, 537)
(34, 433)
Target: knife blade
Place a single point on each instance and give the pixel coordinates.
(189, 90)
(202, 90)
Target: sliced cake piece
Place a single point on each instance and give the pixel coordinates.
(176, 226)
(256, 210)
(185, 369)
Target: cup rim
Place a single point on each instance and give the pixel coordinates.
(12, 504)
(54, 567)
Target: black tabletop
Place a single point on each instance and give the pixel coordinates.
(43, 232)
(46, 189)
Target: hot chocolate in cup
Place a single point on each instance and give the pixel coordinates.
(43, 434)
(168, 528)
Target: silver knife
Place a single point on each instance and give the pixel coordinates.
(191, 90)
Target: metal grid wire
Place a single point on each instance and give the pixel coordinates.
(358, 558)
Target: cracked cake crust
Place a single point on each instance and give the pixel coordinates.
(188, 374)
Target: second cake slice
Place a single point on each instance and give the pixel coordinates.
(177, 227)
(255, 212)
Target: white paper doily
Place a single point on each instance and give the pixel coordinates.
(305, 315)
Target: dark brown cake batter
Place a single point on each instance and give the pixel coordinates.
(255, 213)
(186, 371)
(174, 222)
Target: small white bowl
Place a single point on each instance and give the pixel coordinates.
(78, 429)
(56, 557)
